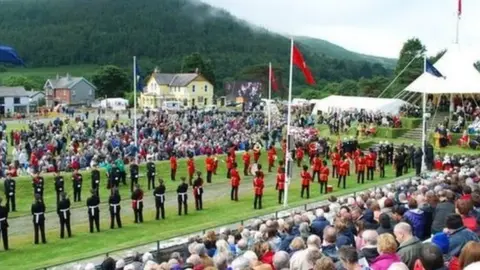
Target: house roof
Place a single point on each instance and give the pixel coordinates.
(174, 79)
(34, 93)
(67, 82)
(17, 91)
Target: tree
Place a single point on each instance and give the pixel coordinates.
(348, 88)
(411, 49)
(194, 62)
(111, 81)
(372, 87)
(477, 65)
(439, 55)
(16, 80)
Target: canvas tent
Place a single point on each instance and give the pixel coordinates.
(114, 103)
(332, 103)
(461, 76)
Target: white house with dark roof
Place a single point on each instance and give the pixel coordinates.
(69, 90)
(192, 89)
(14, 100)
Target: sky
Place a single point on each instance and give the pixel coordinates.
(376, 27)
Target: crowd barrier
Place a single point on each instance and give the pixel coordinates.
(160, 248)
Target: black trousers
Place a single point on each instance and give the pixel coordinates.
(245, 169)
(182, 202)
(340, 179)
(280, 196)
(10, 202)
(77, 194)
(94, 219)
(209, 176)
(151, 181)
(399, 171)
(58, 196)
(138, 212)
(334, 171)
(115, 217)
(305, 188)
(123, 175)
(160, 207)
(257, 202)
(234, 194)
(370, 171)
(65, 224)
(361, 176)
(406, 167)
(323, 186)
(173, 172)
(382, 172)
(198, 202)
(418, 169)
(228, 173)
(39, 228)
(4, 235)
(316, 173)
(133, 182)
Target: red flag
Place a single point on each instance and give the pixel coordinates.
(273, 80)
(298, 61)
(459, 8)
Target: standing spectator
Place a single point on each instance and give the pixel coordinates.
(444, 208)
(349, 258)
(470, 254)
(369, 251)
(409, 244)
(387, 248)
(459, 234)
(430, 258)
(416, 218)
(464, 209)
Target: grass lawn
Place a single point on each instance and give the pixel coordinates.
(84, 244)
(50, 72)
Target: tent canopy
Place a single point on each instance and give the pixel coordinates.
(330, 103)
(9, 55)
(461, 76)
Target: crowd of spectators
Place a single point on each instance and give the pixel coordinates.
(429, 223)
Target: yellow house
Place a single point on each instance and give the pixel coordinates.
(192, 89)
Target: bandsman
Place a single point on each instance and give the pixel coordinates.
(306, 179)
(115, 208)
(134, 171)
(370, 160)
(198, 191)
(246, 162)
(280, 185)
(299, 155)
(77, 181)
(4, 225)
(159, 194)
(114, 176)
(137, 204)
(342, 172)
(95, 185)
(182, 197)
(38, 213)
(271, 156)
(229, 161)
(336, 160)
(235, 181)
(256, 153)
(10, 190)
(151, 172)
(258, 185)
(209, 164)
(121, 166)
(361, 164)
(324, 173)
(37, 184)
(173, 166)
(190, 168)
(63, 211)
(93, 208)
(317, 166)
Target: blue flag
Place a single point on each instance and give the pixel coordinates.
(9, 55)
(139, 78)
(429, 68)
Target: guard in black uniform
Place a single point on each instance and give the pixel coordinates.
(133, 175)
(198, 191)
(38, 213)
(159, 194)
(9, 188)
(151, 173)
(114, 202)
(95, 179)
(398, 161)
(59, 185)
(93, 204)
(182, 196)
(37, 184)
(137, 204)
(63, 211)
(114, 177)
(4, 225)
(77, 181)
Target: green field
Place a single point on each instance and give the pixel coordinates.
(216, 213)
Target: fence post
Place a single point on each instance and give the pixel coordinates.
(158, 247)
(241, 222)
(305, 206)
(276, 214)
(107, 255)
(355, 195)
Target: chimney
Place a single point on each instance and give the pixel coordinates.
(68, 76)
(58, 76)
(156, 70)
(196, 70)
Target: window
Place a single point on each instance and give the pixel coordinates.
(200, 99)
(73, 92)
(2, 100)
(193, 88)
(206, 88)
(90, 92)
(16, 100)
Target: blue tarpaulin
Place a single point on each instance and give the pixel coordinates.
(10, 56)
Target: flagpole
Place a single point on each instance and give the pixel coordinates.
(269, 99)
(135, 132)
(424, 122)
(289, 119)
(459, 13)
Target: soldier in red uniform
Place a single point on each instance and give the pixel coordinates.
(356, 155)
(306, 179)
(335, 162)
(198, 191)
(173, 166)
(190, 168)
(256, 153)
(246, 162)
(370, 160)
(342, 172)
(209, 165)
(271, 158)
(281, 165)
(324, 173)
(137, 204)
(299, 156)
(316, 167)
(235, 180)
(280, 185)
(361, 164)
(229, 161)
(312, 150)
(258, 186)
(284, 147)
(231, 151)
(215, 164)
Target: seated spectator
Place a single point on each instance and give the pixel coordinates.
(369, 251)
(430, 258)
(410, 245)
(459, 234)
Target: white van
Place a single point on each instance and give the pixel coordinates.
(172, 106)
(210, 108)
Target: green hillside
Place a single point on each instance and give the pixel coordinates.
(329, 49)
(53, 33)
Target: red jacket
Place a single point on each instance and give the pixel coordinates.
(258, 185)
(209, 164)
(280, 181)
(191, 166)
(299, 153)
(256, 154)
(246, 158)
(371, 160)
(344, 166)
(361, 164)
(335, 159)
(317, 164)
(324, 174)
(271, 155)
(306, 178)
(173, 163)
(230, 161)
(235, 177)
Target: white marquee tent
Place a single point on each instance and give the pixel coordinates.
(461, 77)
(332, 103)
